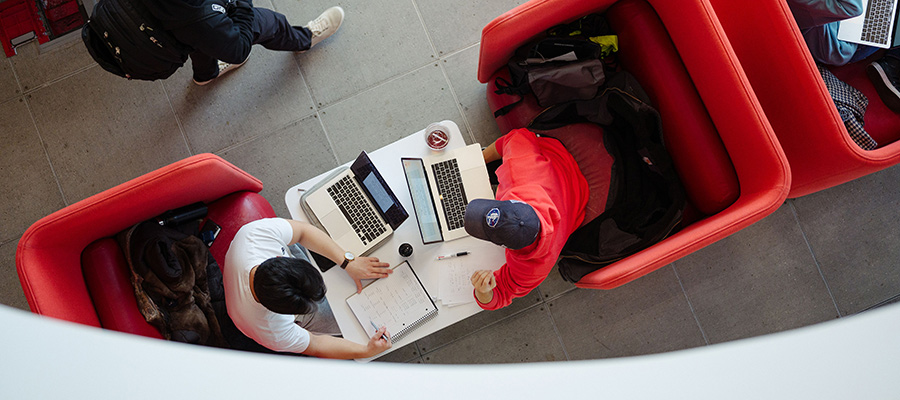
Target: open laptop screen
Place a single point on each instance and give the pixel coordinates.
(378, 191)
(426, 214)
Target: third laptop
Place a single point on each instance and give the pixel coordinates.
(877, 26)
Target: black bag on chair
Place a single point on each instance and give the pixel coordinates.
(646, 199)
(562, 67)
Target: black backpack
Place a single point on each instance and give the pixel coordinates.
(127, 40)
(565, 65)
(646, 198)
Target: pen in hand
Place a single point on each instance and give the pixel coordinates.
(376, 330)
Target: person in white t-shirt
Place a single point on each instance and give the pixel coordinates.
(270, 294)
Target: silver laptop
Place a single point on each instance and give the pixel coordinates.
(877, 26)
(441, 186)
(355, 206)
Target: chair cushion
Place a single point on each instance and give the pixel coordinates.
(647, 52)
(108, 281)
(106, 272)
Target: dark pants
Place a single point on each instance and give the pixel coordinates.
(270, 29)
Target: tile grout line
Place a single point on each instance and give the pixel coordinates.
(459, 107)
(44, 148)
(556, 329)
(441, 60)
(690, 305)
(434, 51)
(317, 112)
(790, 203)
(187, 143)
(59, 79)
(441, 346)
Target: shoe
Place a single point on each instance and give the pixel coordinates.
(325, 25)
(885, 76)
(223, 68)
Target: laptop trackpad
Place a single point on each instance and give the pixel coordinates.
(335, 224)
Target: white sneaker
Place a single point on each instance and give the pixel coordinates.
(325, 25)
(223, 68)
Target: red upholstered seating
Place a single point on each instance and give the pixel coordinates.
(799, 108)
(725, 152)
(83, 277)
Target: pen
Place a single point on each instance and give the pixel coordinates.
(451, 255)
(376, 330)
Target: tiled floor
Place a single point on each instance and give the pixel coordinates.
(69, 130)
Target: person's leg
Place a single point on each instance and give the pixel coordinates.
(321, 321)
(272, 30)
(885, 76)
(205, 68)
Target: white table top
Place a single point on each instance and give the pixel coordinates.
(340, 285)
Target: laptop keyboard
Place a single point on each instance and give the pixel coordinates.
(451, 192)
(350, 199)
(877, 22)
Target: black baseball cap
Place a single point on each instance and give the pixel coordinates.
(509, 223)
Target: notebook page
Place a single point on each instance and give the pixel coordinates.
(397, 302)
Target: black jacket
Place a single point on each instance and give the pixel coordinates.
(213, 27)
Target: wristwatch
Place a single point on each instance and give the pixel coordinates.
(348, 258)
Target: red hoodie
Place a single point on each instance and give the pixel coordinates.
(541, 172)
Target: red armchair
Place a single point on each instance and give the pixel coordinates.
(70, 268)
(783, 74)
(724, 150)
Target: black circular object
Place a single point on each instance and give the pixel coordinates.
(406, 249)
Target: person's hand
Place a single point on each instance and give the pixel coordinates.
(484, 283)
(377, 343)
(367, 268)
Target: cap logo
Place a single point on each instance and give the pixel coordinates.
(492, 217)
(218, 8)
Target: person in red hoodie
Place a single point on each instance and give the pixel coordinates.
(540, 201)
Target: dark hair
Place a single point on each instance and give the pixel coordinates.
(287, 285)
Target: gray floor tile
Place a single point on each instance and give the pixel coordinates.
(378, 40)
(454, 24)
(554, 285)
(476, 322)
(25, 171)
(759, 280)
(9, 87)
(854, 231)
(265, 94)
(471, 94)
(525, 337)
(101, 130)
(292, 155)
(378, 117)
(35, 68)
(10, 290)
(648, 315)
(408, 353)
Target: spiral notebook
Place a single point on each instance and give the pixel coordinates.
(398, 302)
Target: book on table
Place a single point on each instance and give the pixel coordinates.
(399, 302)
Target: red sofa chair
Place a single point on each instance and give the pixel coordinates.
(783, 74)
(71, 268)
(733, 170)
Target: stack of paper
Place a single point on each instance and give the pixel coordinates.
(455, 286)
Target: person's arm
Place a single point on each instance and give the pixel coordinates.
(325, 346)
(315, 240)
(490, 153)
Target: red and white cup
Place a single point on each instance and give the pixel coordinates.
(437, 136)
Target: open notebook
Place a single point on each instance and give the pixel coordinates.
(398, 302)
